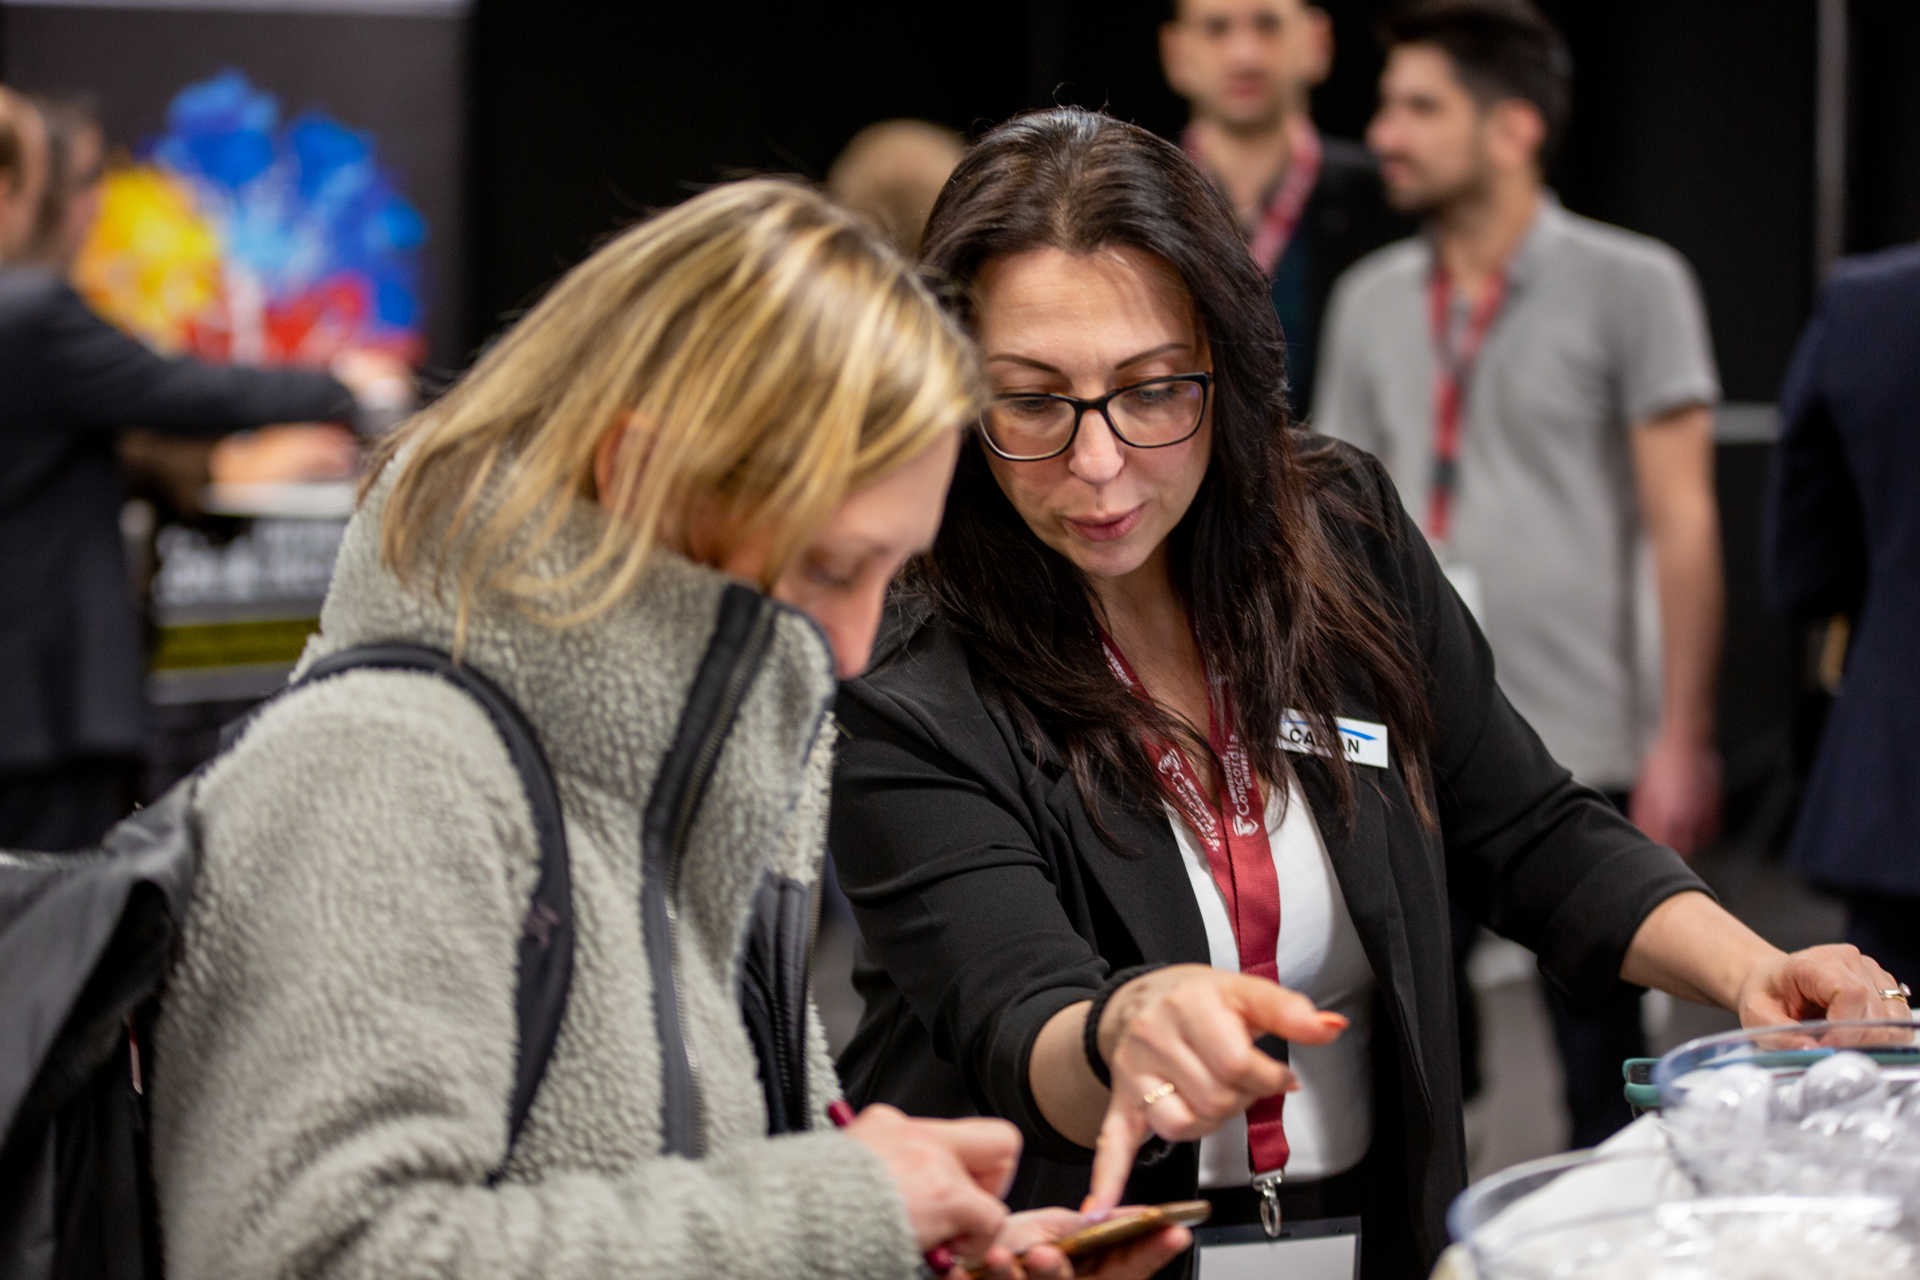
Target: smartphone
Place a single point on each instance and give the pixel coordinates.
(1122, 1229)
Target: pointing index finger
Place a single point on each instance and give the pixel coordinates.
(1121, 1134)
(1267, 1006)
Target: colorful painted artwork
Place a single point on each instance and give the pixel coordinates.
(238, 237)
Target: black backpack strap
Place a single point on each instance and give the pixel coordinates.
(546, 943)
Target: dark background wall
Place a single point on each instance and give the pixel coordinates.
(1884, 177)
(1693, 119)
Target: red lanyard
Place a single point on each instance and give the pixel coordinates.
(1239, 853)
(1283, 207)
(1452, 369)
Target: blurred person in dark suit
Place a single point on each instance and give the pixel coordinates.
(72, 707)
(1843, 538)
(23, 172)
(1309, 206)
(69, 204)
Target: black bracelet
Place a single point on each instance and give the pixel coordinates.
(1090, 1035)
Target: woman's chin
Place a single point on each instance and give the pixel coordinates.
(1105, 561)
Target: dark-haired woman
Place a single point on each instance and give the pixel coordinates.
(1091, 816)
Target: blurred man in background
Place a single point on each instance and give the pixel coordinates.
(1309, 206)
(1541, 388)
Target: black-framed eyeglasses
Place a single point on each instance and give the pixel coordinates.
(1151, 414)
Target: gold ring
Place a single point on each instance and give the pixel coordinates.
(1898, 991)
(1165, 1089)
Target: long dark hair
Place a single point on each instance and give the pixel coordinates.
(1288, 619)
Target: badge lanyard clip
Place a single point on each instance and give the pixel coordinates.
(1267, 1186)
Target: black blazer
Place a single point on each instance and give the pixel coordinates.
(1843, 537)
(70, 645)
(988, 901)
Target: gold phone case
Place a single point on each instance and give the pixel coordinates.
(1125, 1229)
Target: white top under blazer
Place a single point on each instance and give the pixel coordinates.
(1329, 1119)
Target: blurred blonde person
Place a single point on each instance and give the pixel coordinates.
(891, 172)
(665, 507)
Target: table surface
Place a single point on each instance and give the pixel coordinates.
(307, 500)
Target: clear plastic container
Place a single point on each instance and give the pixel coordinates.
(1820, 1108)
(1787, 1052)
(1640, 1216)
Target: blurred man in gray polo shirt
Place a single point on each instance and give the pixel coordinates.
(1540, 386)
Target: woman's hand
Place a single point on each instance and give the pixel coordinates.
(1023, 1250)
(1690, 946)
(1178, 1043)
(952, 1174)
(1835, 982)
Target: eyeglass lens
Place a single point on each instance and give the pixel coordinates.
(1145, 416)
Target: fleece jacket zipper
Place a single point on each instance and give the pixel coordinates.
(742, 633)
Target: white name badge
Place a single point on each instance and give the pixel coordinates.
(1327, 1249)
(1363, 741)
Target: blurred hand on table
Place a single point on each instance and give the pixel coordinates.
(284, 454)
(378, 380)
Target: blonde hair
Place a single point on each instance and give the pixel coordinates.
(773, 355)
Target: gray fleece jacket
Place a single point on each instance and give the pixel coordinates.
(335, 1049)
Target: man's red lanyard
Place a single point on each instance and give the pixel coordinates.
(1234, 834)
(1452, 370)
(1286, 200)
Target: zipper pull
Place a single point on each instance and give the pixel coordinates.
(138, 1076)
(1267, 1186)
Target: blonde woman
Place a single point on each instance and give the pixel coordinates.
(661, 514)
